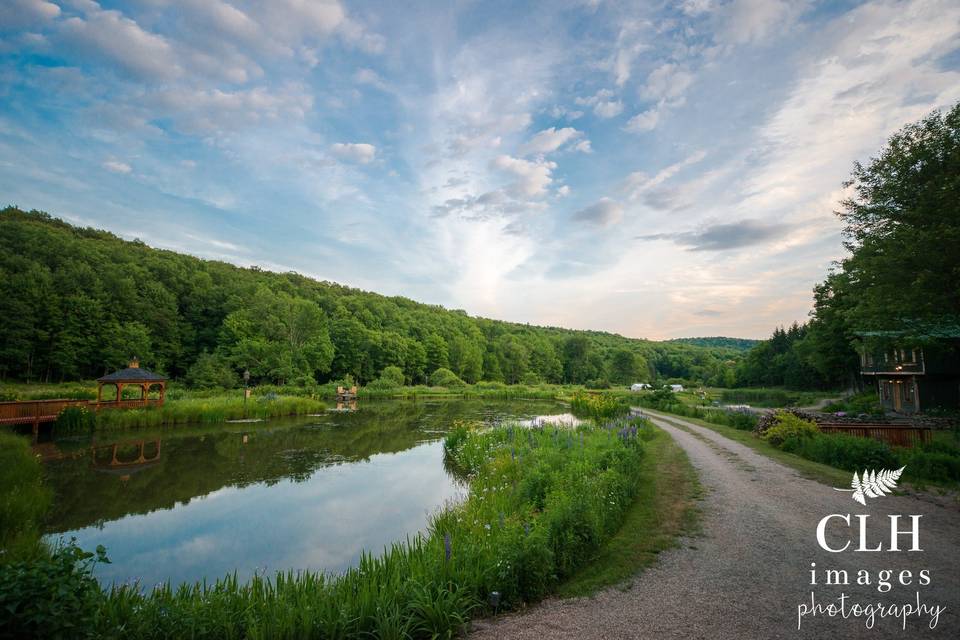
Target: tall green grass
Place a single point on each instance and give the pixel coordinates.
(216, 409)
(23, 499)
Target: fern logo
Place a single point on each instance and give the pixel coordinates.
(873, 484)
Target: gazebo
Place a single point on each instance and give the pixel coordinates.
(135, 376)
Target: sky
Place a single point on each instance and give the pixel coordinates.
(655, 169)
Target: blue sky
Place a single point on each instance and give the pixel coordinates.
(658, 169)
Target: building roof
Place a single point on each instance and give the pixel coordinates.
(132, 374)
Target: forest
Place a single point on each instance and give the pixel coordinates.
(901, 276)
(79, 302)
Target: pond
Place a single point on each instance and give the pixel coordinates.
(187, 503)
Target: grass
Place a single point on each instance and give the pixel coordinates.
(198, 410)
(808, 468)
(664, 508)
(23, 499)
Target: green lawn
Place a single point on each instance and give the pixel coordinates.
(665, 508)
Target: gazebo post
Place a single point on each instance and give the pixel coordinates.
(119, 390)
(99, 392)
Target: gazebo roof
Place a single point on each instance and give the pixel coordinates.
(132, 374)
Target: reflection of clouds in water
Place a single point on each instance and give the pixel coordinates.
(323, 522)
(557, 420)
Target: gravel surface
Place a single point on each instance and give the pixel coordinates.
(746, 573)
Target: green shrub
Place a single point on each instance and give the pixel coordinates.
(788, 426)
(51, 596)
(445, 378)
(23, 499)
(598, 406)
(393, 375)
(211, 371)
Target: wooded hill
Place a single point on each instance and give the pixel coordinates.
(77, 302)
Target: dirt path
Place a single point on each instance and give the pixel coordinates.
(745, 576)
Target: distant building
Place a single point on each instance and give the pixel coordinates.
(676, 387)
(910, 378)
(640, 386)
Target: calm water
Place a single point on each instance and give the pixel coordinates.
(186, 503)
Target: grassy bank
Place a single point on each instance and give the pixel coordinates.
(541, 502)
(664, 508)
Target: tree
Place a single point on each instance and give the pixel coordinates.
(902, 227)
(279, 337)
(626, 366)
(437, 352)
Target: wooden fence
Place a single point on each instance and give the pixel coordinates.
(896, 435)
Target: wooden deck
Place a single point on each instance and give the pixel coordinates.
(896, 435)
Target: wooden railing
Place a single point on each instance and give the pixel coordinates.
(896, 435)
(37, 411)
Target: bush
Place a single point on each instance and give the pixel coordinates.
(788, 426)
(54, 596)
(530, 379)
(843, 451)
(445, 378)
(211, 371)
(392, 376)
(597, 406)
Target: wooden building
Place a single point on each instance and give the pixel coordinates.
(910, 378)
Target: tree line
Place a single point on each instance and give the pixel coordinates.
(899, 284)
(79, 302)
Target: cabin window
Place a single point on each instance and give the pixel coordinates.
(908, 392)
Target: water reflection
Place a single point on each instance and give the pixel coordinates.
(191, 502)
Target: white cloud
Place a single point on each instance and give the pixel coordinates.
(644, 121)
(549, 140)
(19, 14)
(354, 151)
(116, 166)
(753, 20)
(117, 40)
(370, 78)
(667, 82)
(603, 213)
(603, 102)
(533, 177)
(638, 182)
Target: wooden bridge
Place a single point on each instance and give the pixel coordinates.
(35, 412)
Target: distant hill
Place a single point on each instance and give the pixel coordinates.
(78, 302)
(739, 344)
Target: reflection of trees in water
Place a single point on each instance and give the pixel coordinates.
(199, 460)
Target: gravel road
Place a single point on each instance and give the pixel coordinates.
(748, 571)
